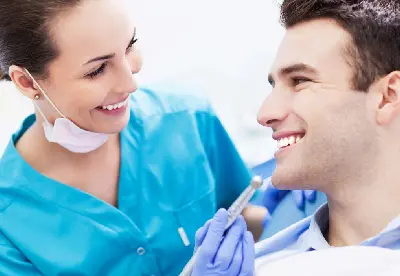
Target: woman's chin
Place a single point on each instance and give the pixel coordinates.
(114, 127)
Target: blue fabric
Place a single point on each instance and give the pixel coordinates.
(286, 212)
(265, 169)
(178, 166)
(308, 234)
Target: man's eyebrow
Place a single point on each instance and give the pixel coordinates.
(295, 68)
(108, 56)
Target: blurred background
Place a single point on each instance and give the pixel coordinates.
(220, 48)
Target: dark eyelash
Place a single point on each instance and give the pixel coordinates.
(133, 41)
(97, 72)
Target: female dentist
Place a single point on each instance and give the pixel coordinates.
(101, 180)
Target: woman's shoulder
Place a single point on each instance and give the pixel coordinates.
(166, 100)
(9, 188)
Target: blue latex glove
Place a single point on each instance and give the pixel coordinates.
(273, 196)
(231, 254)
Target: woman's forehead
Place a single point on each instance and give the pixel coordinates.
(92, 29)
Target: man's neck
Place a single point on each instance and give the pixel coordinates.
(359, 212)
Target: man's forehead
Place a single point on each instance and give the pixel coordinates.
(315, 43)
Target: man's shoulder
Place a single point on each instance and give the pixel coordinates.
(347, 260)
(282, 243)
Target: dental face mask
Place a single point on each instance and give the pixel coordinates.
(65, 133)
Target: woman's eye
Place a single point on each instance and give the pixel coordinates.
(97, 72)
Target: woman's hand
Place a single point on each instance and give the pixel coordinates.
(231, 254)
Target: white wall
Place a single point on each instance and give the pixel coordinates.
(13, 109)
(223, 47)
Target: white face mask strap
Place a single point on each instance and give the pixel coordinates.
(45, 95)
(40, 111)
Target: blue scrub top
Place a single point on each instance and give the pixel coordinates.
(178, 166)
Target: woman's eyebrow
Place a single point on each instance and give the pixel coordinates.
(105, 57)
(109, 56)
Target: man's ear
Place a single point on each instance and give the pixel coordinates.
(389, 92)
(23, 82)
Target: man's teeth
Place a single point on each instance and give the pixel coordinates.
(115, 106)
(290, 140)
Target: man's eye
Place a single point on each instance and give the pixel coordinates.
(297, 81)
(272, 83)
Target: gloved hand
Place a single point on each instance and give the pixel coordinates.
(273, 196)
(231, 254)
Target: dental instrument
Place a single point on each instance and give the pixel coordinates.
(234, 212)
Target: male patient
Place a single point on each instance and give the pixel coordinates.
(335, 112)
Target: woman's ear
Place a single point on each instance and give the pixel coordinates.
(23, 82)
(389, 106)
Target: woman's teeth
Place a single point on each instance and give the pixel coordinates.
(115, 106)
(287, 141)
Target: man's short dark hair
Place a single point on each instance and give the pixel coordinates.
(374, 26)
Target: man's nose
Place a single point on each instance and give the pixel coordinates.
(274, 110)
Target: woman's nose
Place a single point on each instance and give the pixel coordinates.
(127, 82)
(136, 61)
